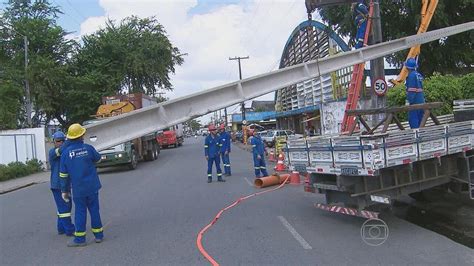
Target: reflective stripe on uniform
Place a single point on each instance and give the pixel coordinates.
(262, 167)
(63, 175)
(415, 90)
(206, 146)
(57, 152)
(256, 168)
(97, 230)
(79, 233)
(254, 146)
(209, 175)
(64, 215)
(219, 174)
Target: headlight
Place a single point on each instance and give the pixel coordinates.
(120, 155)
(103, 157)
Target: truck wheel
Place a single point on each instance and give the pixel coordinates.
(155, 151)
(133, 164)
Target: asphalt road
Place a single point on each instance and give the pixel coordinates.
(152, 216)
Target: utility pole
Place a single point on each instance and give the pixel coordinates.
(244, 128)
(27, 85)
(377, 65)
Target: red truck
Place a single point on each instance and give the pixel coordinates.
(172, 136)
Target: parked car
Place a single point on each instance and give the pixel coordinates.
(270, 137)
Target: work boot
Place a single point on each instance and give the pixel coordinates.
(98, 240)
(73, 243)
(209, 181)
(220, 180)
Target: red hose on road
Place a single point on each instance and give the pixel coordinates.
(218, 215)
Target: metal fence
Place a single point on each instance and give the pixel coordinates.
(17, 148)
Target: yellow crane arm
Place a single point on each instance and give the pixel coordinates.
(427, 10)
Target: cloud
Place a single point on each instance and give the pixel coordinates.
(258, 29)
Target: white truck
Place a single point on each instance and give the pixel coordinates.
(357, 173)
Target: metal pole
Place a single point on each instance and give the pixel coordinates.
(377, 65)
(238, 58)
(27, 85)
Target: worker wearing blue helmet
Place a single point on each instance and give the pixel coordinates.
(414, 90)
(64, 224)
(361, 14)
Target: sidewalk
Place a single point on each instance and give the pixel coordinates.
(21, 182)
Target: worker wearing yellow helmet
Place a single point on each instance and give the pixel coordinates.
(78, 168)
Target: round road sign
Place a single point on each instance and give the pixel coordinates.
(244, 122)
(380, 87)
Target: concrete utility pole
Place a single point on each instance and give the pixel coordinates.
(27, 85)
(377, 68)
(238, 58)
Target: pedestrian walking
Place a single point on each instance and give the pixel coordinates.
(258, 152)
(414, 90)
(360, 14)
(212, 148)
(225, 141)
(78, 169)
(63, 208)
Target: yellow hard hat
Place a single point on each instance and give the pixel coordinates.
(75, 131)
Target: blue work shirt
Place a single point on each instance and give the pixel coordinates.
(212, 146)
(54, 159)
(257, 146)
(78, 169)
(225, 141)
(414, 84)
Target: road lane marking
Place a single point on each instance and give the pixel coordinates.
(248, 182)
(295, 234)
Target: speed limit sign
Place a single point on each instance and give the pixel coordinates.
(380, 87)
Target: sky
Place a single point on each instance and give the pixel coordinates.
(209, 31)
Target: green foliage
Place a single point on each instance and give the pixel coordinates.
(401, 18)
(19, 169)
(134, 54)
(194, 124)
(437, 88)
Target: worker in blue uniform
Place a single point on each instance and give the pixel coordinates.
(212, 148)
(414, 90)
(78, 169)
(225, 149)
(258, 152)
(63, 208)
(361, 14)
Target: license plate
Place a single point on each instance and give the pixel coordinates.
(349, 170)
(300, 168)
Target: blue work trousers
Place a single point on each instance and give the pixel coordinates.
(259, 166)
(360, 35)
(226, 162)
(211, 161)
(83, 204)
(415, 116)
(63, 208)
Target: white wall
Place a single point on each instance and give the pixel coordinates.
(22, 145)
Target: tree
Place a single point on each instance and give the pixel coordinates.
(194, 124)
(48, 56)
(135, 56)
(452, 55)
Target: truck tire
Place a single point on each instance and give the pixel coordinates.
(133, 164)
(156, 151)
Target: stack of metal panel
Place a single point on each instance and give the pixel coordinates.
(298, 154)
(431, 142)
(460, 136)
(320, 154)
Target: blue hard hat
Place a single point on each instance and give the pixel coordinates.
(59, 136)
(411, 63)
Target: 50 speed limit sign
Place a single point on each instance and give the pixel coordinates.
(380, 87)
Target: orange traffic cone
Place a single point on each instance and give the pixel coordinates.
(295, 178)
(272, 156)
(280, 166)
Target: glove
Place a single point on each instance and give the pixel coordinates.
(65, 196)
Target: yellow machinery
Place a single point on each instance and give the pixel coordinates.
(427, 10)
(107, 110)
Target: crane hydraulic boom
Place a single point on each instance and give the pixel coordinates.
(118, 129)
